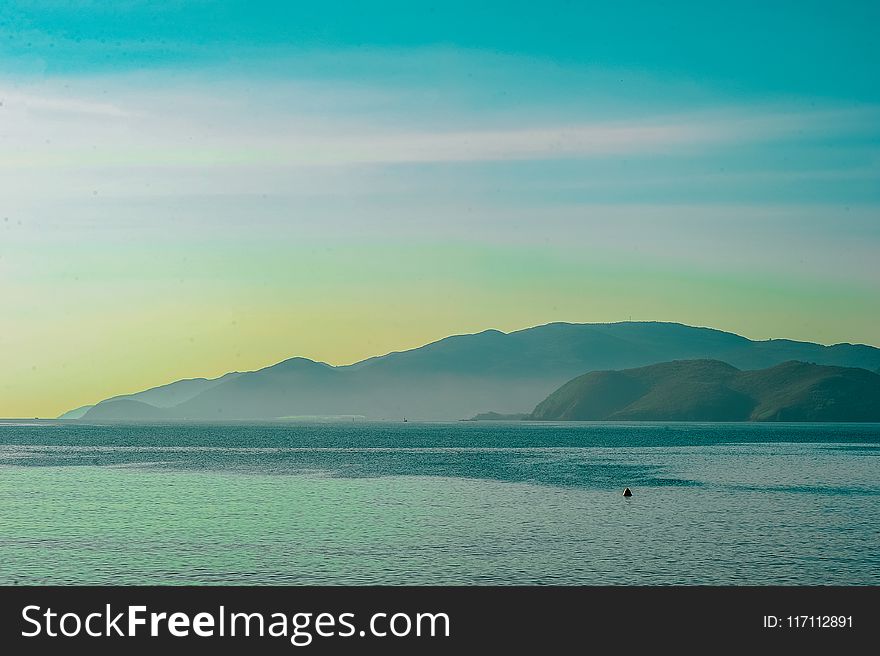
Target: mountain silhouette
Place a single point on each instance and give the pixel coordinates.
(462, 375)
(709, 390)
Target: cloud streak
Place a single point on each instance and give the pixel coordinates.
(47, 130)
(594, 139)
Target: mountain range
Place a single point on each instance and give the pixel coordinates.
(459, 376)
(710, 390)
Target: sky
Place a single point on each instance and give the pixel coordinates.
(191, 188)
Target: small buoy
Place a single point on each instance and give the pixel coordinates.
(627, 492)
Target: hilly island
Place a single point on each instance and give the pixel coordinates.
(617, 371)
(709, 390)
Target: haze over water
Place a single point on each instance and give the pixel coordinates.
(454, 503)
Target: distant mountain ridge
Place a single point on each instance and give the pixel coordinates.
(462, 375)
(163, 396)
(709, 390)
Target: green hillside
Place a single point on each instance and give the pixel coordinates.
(709, 390)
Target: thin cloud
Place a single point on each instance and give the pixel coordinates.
(194, 130)
(591, 139)
(15, 100)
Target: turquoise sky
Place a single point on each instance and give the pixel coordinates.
(819, 49)
(192, 187)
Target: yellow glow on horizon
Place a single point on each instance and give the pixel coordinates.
(98, 340)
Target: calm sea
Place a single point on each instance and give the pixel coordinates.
(439, 503)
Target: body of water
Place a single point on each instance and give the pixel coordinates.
(439, 503)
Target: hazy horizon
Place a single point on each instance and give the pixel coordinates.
(193, 188)
(399, 350)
